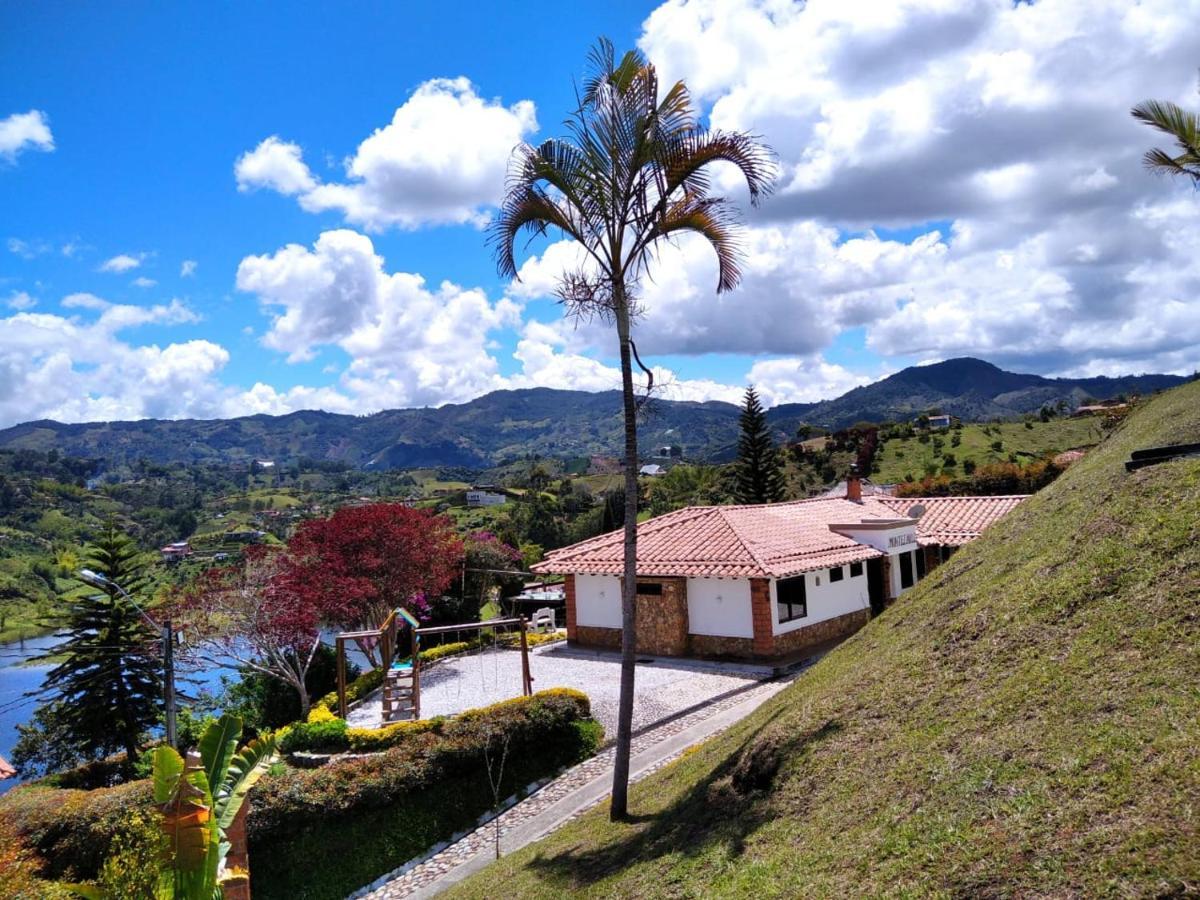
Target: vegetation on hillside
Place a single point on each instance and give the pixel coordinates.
(1024, 722)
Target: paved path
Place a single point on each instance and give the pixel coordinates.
(574, 792)
(663, 686)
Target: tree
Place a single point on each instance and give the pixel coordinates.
(244, 616)
(365, 561)
(758, 471)
(632, 174)
(686, 486)
(107, 692)
(486, 557)
(1179, 124)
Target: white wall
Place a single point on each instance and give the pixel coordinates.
(598, 601)
(826, 599)
(902, 536)
(720, 606)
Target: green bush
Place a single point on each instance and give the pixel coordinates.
(363, 817)
(324, 736)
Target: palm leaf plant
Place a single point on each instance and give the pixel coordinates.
(1176, 122)
(633, 171)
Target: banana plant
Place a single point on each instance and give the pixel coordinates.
(199, 797)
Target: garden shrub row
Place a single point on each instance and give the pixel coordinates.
(325, 832)
(317, 833)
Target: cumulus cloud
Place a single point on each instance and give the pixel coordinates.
(1008, 120)
(25, 131)
(441, 160)
(409, 343)
(187, 268)
(122, 262)
(27, 249)
(143, 282)
(75, 368)
(274, 164)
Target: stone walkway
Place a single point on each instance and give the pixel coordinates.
(572, 793)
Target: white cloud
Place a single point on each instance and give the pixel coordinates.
(408, 343)
(65, 368)
(122, 262)
(1009, 120)
(27, 249)
(441, 160)
(143, 282)
(187, 268)
(20, 300)
(275, 164)
(25, 131)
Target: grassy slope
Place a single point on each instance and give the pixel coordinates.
(1027, 721)
(898, 458)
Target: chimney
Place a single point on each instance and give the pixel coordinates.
(853, 485)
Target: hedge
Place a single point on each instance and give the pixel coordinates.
(317, 833)
(325, 832)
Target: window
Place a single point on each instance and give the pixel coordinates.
(791, 598)
(649, 589)
(920, 555)
(906, 569)
(837, 574)
(856, 569)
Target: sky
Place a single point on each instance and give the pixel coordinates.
(212, 210)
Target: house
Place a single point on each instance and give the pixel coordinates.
(485, 498)
(766, 581)
(940, 422)
(176, 551)
(1100, 409)
(652, 470)
(6, 771)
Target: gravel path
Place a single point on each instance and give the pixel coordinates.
(421, 876)
(663, 687)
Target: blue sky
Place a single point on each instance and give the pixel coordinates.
(1031, 253)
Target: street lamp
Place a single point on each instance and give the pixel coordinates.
(103, 581)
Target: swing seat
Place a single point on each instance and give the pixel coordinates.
(402, 667)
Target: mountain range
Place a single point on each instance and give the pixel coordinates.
(507, 425)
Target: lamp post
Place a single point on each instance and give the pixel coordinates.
(103, 581)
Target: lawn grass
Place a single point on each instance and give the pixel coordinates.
(900, 458)
(1026, 722)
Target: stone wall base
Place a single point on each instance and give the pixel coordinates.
(710, 645)
(820, 633)
(594, 636)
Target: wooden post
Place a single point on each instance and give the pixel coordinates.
(416, 676)
(238, 888)
(341, 676)
(526, 678)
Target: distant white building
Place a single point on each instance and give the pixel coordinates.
(652, 470)
(485, 498)
(265, 463)
(176, 551)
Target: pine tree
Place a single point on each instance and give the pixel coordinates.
(758, 471)
(108, 690)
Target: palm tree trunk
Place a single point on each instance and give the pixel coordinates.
(620, 790)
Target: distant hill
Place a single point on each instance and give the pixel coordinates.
(507, 425)
(1024, 723)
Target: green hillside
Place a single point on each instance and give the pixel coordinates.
(1026, 722)
(1026, 442)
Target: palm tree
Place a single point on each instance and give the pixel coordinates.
(633, 173)
(1181, 125)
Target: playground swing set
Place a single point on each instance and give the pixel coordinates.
(401, 689)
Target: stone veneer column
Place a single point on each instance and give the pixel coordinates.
(760, 611)
(569, 585)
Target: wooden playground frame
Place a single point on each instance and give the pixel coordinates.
(388, 634)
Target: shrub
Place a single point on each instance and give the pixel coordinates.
(367, 740)
(363, 817)
(327, 735)
(19, 870)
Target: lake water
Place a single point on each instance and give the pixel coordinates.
(18, 678)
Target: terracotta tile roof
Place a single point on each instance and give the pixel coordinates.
(954, 521)
(6, 771)
(771, 540)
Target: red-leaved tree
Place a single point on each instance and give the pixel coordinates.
(364, 561)
(241, 616)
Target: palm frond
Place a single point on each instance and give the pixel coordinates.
(715, 219)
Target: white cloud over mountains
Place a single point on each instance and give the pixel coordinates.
(25, 131)
(441, 160)
(998, 133)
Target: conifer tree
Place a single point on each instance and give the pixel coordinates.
(108, 689)
(758, 471)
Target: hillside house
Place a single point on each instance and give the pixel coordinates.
(175, 552)
(653, 470)
(768, 581)
(477, 498)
